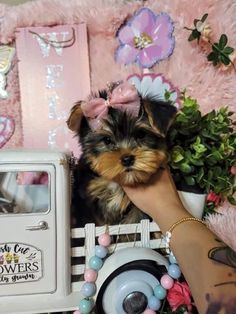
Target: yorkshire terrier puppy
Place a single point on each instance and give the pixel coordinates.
(123, 143)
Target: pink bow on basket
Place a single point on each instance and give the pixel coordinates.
(123, 97)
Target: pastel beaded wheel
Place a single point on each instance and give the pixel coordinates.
(132, 284)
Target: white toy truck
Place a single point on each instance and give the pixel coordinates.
(40, 272)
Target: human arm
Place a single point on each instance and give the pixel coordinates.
(212, 283)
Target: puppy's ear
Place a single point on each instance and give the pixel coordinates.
(74, 120)
(160, 114)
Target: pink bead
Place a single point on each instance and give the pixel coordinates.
(104, 239)
(90, 275)
(77, 312)
(149, 311)
(167, 282)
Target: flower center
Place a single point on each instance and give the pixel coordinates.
(142, 41)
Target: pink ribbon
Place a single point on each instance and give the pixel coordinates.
(123, 97)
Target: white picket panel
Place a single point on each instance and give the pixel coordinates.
(142, 236)
(115, 229)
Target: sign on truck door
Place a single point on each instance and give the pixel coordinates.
(27, 230)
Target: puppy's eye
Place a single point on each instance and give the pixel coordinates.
(140, 134)
(107, 140)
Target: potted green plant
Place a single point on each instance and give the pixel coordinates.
(202, 153)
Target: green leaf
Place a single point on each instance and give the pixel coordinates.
(177, 154)
(191, 103)
(232, 200)
(210, 174)
(200, 175)
(185, 168)
(211, 161)
(217, 156)
(191, 38)
(168, 94)
(196, 34)
(225, 60)
(212, 56)
(217, 171)
(228, 50)
(216, 48)
(189, 180)
(211, 115)
(198, 147)
(203, 19)
(220, 118)
(196, 162)
(223, 41)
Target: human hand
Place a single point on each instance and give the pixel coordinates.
(158, 198)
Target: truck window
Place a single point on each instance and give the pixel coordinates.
(24, 192)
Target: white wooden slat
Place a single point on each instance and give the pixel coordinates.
(145, 233)
(154, 244)
(89, 242)
(121, 229)
(77, 233)
(78, 269)
(78, 251)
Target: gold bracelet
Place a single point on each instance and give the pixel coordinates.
(168, 233)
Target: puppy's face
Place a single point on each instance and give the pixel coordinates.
(125, 149)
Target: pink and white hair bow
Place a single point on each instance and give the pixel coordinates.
(123, 97)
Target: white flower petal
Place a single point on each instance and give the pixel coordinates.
(154, 88)
(135, 80)
(145, 85)
(156, 85)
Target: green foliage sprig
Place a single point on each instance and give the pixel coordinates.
(203, 150)
(195, 33)
(220, 53)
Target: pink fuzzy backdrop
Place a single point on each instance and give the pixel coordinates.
(186, 68)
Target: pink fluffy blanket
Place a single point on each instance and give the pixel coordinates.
(223, 225)
(186, 68)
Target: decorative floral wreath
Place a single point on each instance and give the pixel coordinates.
(157, 87)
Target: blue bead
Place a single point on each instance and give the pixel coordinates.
(160, 292)
(88, 289)
(101, 251)
(86, 306)
(174, 271)
(154, 303)
(95, 263)
(172, 259)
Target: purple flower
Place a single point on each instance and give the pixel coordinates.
(145, 39)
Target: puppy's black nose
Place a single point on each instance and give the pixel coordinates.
(127, 160)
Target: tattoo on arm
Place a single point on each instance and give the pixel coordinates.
(226, 256)
(217, 307)
(223, 255)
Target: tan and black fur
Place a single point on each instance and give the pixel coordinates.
(124, 151)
